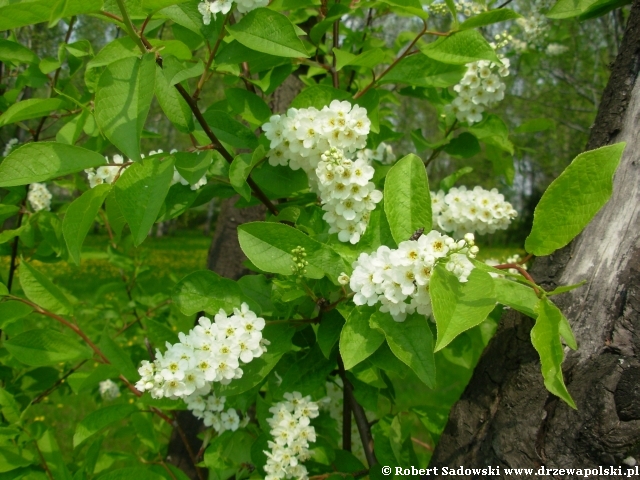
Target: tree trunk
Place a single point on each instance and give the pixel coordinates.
(226, 259)
(506, 417)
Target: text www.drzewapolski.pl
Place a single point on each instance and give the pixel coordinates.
(489, 471)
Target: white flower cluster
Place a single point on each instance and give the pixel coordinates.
(318, 141)
(468, 7)
(292, 431)
(481, 87)
(210, 409)
(555, 49)
(109, 390)
(383, 154)
(478, 210)
(39, 197)
(106, 173)
(9, 147)
(393, 277)
(300, 137)
(347, 193)
(212, 7)
(534, 26)
(210, 352)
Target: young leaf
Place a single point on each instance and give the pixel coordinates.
(45, 347)
(140, 193)
(422, 71)
(545, 337)
(193, 166)
(248, 105)
(16, 14)
(411, 341)
(329, 331)
(269, 32)
(358, 340)
(42, 161)
(99, 419)
(41, 291)
(208, 292)
(172, 104)
(407, 201)
(10, 408)
(573, 199)
(118, 357)
(31, 108)
(13, 52)
(269, 245)
(457, 306)
(123, 99)
(80, 216)
(488, 18)
(460, 48)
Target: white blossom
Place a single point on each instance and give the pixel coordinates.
(292, 432)
(106, 173)
(210, 352)
(39, 197)
(480, 88)
(478, 210)
(208, 8)
(9, 147)
(399, 278)
(555, 49)
(109, 390)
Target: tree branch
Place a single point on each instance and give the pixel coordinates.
(358, 412)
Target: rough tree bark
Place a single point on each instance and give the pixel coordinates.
(506, 417)
(226, 259)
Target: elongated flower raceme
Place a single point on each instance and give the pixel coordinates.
(209, 8)
(210, 352)
(480, 211)
(292, 432)
(399, 278)
(39, 197)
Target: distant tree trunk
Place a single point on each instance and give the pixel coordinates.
(226, 259)
(506, 417)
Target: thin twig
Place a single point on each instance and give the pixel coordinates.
(45, 465)
(521, 270)
(59, 382)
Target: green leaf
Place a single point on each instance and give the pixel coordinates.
(545, 337)
(536, 125)
(11, 459)
(14, 14)
(493, 131)
(457, 306)
(45, 347)
(269, 245)
(464, 145)
(123, 99)
(140, 193)
(269, 32)
(411, 7)
(248, 105)
(411, 341)
(207, 291)
(193, 166)
(42, 161)
(10, 408)
(488, 18)
(515, 295)
(41, 291)
(318, 96)
(573, 199)
(175, 71)
(132, 473)
(173, 105)
(569, 8)
(368, 59)
(96, 421)
(118, 357)
(460, 48)
(448, 182)
(31, 108)
(241, 168)
(257, 370)
(407, 200)
(51, 453)
(422, 71)
(80, 217)
(358, 341)
(329, 331)
(11, 311)
(306, 374)
(118, 49)
(3, 290)
(15, 53)
(229, 130)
